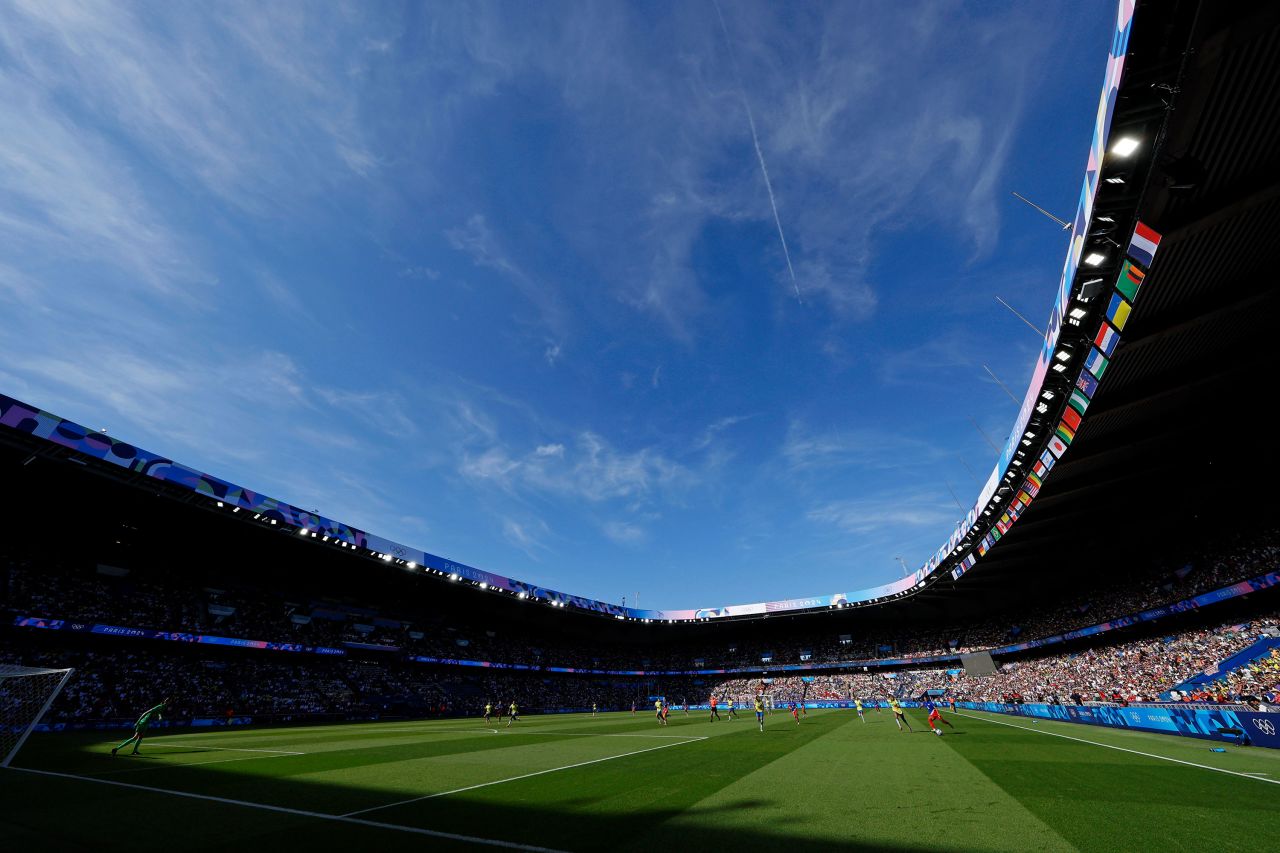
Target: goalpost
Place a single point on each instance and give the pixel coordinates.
(26, 693)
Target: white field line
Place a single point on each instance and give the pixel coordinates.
(1120, 748)
(169, 765)
(491, 842)
(517, 778)
(149, 742)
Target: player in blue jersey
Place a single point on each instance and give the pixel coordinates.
(935, 717)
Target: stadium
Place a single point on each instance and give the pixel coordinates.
(1089, 661)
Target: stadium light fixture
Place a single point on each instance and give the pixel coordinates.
(453, 577)
(302, 531)
(1058, 368)
(483, 585)
(411, 564)
(1114, 179)
(1062, 355)
(1078, 313)
(1094, 258)
(1107, 219)
(219, 504)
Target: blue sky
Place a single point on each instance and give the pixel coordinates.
(504, 281)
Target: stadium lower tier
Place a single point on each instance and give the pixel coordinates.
(130, 602)
(112, 683)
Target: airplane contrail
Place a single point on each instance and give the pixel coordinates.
(755, 139)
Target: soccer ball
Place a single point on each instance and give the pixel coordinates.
(938, 732)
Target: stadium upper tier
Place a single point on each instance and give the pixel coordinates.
(1140, 361)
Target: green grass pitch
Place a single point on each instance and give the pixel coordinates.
(620, 782)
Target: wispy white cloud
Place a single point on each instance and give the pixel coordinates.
(624, 532)
(865, 516)
(806, 450)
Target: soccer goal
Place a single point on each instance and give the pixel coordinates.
(25, 695)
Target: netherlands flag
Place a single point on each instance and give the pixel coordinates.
(1143, 246)
(1107, 339)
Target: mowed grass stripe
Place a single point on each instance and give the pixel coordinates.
(865, 785)
(1107, 799)
(607, 806)
(151, 792)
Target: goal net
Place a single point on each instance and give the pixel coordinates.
(25, 695)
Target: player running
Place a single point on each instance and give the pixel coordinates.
(514, 715)
(657, 712)
(760, 712)
(732, 715)
(488, 712)
(715, 715)
(795, 713)
(140, 728)
(934, 716)
(857, 703)
(900, 716)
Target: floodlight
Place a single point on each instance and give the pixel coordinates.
(1094, 258)
(1115, 179)
(1124, 146)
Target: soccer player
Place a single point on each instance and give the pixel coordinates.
(657, 712)
(795, 713)
(934, 716)
(593, 709)
(514, 715)
(760, 711)
(488, 711)
(715, 715)
(900, 716)
(140, 728)
(857, 703)
(666, 709)
(633, 708)
(953, 704)
(732, 715)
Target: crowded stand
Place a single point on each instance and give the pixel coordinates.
(48, 589)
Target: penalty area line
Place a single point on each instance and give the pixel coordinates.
(376, 824)
(152, 743)
(517, 778)
(1120, 748)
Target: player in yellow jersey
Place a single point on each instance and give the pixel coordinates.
(760, 712)
(515, 713)
(593, 709)
(488, 711)
(657, 712)
(732, 715)
(857, 703)
(900, 716)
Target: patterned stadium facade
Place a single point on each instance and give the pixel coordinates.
(1051, 412)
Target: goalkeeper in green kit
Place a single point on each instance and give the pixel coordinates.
(140, 728)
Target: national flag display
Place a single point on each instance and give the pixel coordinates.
(1130, 281)
(1057, 446)
(1071, 418)
(1034, 479)
(1041, 470)
(1096, 363)
(1106, 339)
(1031, 489)
(1143, 246)
(1078, 401)
(1087, 384)
(1118, 311)
(1048, 459)
(1024, 498)
(1065, 432)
